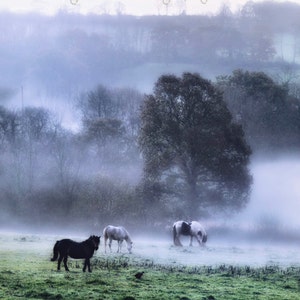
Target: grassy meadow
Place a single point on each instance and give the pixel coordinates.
(29, 274)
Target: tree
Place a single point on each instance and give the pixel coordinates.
(191, 147)
(100, 123)
(9, 125)
(168, 41)
(110, 128)
(264, 108)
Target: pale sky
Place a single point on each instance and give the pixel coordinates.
(135, 7)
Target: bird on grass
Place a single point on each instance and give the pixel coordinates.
(139, 275)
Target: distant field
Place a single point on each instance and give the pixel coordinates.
(28, 273)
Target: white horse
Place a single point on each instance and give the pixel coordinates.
(193, 229)
(117, 233)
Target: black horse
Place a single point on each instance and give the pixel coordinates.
(67, 247)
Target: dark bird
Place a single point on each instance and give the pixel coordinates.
(139, 275)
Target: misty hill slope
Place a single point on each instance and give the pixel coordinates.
(67, 53)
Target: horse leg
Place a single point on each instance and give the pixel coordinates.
(65, 262)
(87, 264)
(175, 236)
(120, 245)
(191, 241)
(59, 262)
(84, 265)
(105, 240)
(178, 243)
(109, 244)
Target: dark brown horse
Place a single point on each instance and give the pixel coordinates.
(67, 247)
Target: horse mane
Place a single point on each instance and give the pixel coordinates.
(127, 235)
(89, 239)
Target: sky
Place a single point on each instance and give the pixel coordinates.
(134, 7)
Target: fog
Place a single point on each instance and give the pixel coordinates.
(265, 233)
(58, 178)
(273, 204)
(275, 192)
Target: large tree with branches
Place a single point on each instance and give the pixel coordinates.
(195, 156)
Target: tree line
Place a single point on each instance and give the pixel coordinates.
(64, 52)
(181, 151)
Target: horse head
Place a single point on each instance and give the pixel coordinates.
(200, 232)
(129, 246)
(95, 241)
(204, 238)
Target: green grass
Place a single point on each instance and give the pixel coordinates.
(30, 275)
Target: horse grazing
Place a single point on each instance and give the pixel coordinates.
(67, 247)
(193, 229)
(119, 234)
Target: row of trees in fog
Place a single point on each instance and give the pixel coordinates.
(182, 151)
(267, 110)
(66, 51)
(49, 173)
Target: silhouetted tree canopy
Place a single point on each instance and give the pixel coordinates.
(191, 146)
(264, 108)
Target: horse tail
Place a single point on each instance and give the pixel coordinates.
(55, 252)
(105, 235)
